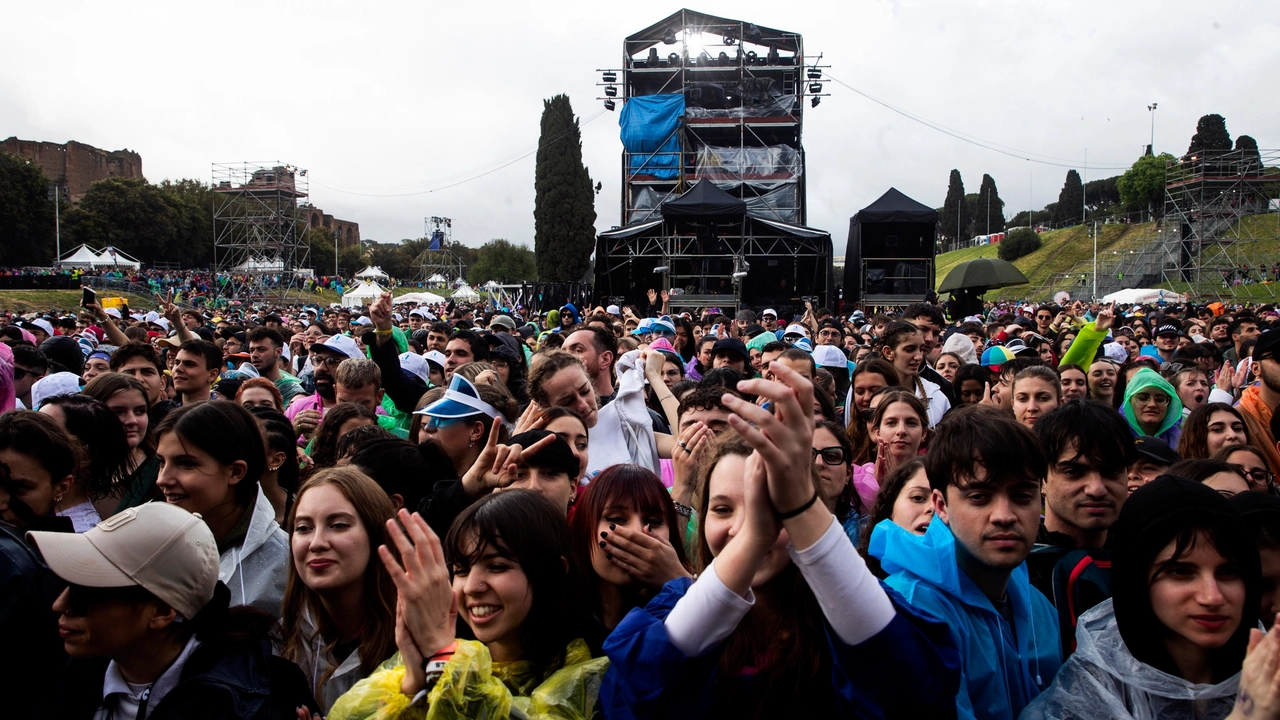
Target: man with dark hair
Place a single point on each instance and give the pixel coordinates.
(192, 319)
(968, 569)
(1089, 450)
(1219, 332)
(929, 320)
(29, 365)
(464, 346)
(438, 336)
(598, 350)
(197, 368)
(830, 332)
(770, 352)
(265, 346)
(1241, 330)
(141, 362)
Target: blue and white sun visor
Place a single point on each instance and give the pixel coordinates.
(459, 401)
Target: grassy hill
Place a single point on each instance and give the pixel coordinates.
(1068, 253)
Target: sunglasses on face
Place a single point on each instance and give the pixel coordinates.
(436, 423)
(21, 372)
(833, 455)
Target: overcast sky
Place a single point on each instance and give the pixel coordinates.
(389, 98)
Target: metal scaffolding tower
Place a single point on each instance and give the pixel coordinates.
(438, 264)
(1212, 244)
(260, 236)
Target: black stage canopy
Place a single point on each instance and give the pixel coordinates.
(889, 257)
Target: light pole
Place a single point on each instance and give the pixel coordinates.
(56, 191)
(1151, 149)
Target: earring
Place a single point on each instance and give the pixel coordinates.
(471, 444)
(57, 498)
(273, 469)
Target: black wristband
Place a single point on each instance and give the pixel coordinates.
(797, 511)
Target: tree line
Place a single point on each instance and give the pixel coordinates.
(1139, 190)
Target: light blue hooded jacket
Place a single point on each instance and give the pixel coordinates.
(999, 674)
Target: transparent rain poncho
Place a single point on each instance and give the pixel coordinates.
(1103, 680)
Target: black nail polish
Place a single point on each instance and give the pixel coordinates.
(602, 544)
(608, 556)
(604, 534)
(612, 526)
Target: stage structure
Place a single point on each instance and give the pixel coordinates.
(713, 169)
(260, 235)
(889, 260)
(438, 264)
(1220, 222)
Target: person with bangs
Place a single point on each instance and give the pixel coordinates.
(508, 570)
(339, 601)
(1179, 637)
(97, 489)
(569, 427)
(833, 457)
(969, 570)
(785, 619)
(127, 398)
(899, 428)
(629, 541)
(1209, 428)
(1089, 455)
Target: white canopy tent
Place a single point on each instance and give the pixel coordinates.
(466, 294)
(437, 278)
(362, 294)
(259, 265)
(81, 257)
(372, 272)
(1135, 296)
(111, 257)
(421, 298)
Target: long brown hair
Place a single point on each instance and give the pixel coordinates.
(1194, 442)
(792, 636)
(378, 636)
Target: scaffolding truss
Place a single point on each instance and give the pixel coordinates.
(438, 265)
(260, 235)
(1220, 226)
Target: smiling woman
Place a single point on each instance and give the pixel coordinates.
(1186, 591)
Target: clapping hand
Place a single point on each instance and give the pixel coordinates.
(425, 602)
(780, 436)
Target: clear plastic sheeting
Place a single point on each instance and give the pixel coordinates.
(747, 97)
(777, 204)
(768, 163)
(645, 204)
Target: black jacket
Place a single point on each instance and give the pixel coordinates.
(28, 626)
(219, 682)
(403, 387)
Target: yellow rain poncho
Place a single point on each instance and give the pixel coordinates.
(473, 686)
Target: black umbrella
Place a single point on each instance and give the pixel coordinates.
(986, 273)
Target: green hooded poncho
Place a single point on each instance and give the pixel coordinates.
(1149, 380)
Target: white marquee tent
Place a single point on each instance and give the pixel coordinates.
(372, 272)
(81, 257)
(111, 257)
(362, 294)
(421, 298)
(466, 294)
(1132, 296)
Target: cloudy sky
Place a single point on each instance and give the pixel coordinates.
(382, 101)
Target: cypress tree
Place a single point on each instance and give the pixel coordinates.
(953, 218)
(1211, 134)
(1070, 207)
(564, 213)
(984, 222)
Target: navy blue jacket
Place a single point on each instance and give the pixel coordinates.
(909, 670)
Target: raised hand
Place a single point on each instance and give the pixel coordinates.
(531, 419)
(425, 591)
(780, 436)
(646, 556)
(653, 296)
(1259, 694)
(685, 458)
(380, 312)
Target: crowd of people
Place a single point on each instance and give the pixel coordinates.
(459, 511)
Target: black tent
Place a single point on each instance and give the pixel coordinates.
(889, 257)
(705, 200)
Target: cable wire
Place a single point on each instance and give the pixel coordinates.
(974, 140)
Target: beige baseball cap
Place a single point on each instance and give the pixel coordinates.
(168, 551)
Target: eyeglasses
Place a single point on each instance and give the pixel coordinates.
(833, 455)
(327, 360)
(1147, 398)
(1257, 477)
(80, 599)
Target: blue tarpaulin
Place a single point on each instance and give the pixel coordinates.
(650, 133)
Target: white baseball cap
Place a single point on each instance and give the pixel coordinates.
(796, 329)
(342, 344)
(435, 356)
(113, 312)
(164, 549)
(613, 310)
(43, 325)
(62, 383)
(417, 365)
(830, 356)
(769, 311)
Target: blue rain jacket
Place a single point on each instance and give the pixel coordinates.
(1000, 675)
(909, 670)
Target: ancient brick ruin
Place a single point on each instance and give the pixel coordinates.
(76, 165)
